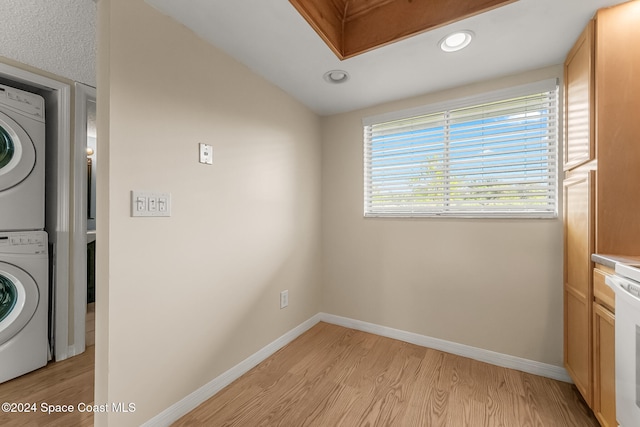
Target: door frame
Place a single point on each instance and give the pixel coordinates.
(57, 96)
(83, 94)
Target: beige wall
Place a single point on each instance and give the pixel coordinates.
(182, 299)
(493, 284)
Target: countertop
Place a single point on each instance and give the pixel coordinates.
(612, 260)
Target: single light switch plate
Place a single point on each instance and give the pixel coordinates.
(206, 154)
(148, 203)
(284, 299)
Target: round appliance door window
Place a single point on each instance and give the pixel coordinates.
(18, 300)
(7, 149)
(8, 297)
(17, 153)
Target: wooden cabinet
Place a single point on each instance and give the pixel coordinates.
(602, 172)
(604, 374)
(578, 100)
(617, 108)
(602, 293)
(578, 295)
(604, 387)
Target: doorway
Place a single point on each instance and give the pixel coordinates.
(57, 97)
(84, 224)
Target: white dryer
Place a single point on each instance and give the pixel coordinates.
(24, 298)
(22, 160)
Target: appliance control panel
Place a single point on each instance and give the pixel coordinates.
(23, 242)
(630, 271)
(22, 102)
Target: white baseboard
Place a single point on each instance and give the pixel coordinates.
(488, 356)
(190, 402)
(76, 349)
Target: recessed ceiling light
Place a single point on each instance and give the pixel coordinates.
(336, 76)
(456, 41)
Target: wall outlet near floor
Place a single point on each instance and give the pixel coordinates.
(284, 299)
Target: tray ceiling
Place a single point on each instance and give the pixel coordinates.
(272, 39)
(352, 27)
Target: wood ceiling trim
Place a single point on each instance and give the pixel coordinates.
(400, 19)
(356, 8)
(326, 18)
(352, 27)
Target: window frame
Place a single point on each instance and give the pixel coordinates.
(548, 85)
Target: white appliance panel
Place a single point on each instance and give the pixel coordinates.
(24, 300)
(22, 160)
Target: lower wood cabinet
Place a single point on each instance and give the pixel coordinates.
(604, 355)
(578, 351)
(578, 288)
(604, 374)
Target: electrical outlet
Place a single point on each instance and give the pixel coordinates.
(284, 299)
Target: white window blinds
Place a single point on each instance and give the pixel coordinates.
(496, 158)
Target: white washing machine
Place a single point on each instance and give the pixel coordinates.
(24, 300)
(22, 160)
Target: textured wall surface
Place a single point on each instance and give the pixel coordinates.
(56, 36)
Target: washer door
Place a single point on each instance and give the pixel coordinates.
(18, 300)
(17, 153)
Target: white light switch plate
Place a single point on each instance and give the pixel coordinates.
(284, 299)
(148, 203)
(206, 154)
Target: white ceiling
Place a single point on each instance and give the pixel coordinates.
(273, 40)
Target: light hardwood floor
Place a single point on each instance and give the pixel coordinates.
(334, 376)
(68, 382)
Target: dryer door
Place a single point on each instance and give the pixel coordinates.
(18, 300)
(17, 153)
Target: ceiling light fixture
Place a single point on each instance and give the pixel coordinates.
(456, 41)
(336, 76)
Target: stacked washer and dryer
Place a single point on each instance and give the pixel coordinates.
(24, 261)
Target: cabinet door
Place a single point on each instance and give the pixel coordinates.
(578, 291)
(578, 101)
(618, 129)
(604, 374)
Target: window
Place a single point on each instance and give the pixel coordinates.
(488, 156)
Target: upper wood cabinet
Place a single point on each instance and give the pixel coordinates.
(617, 113)
(602, 122)
(578, 101)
